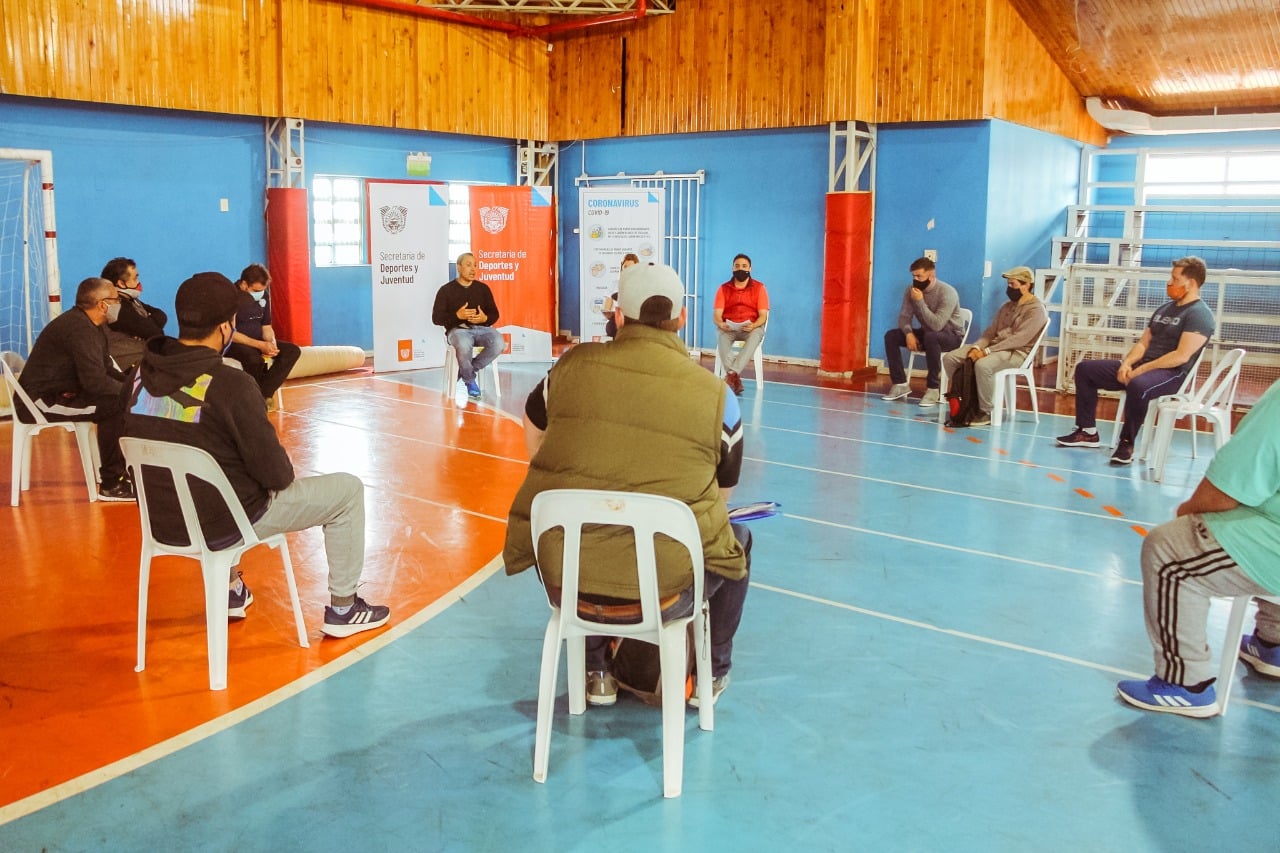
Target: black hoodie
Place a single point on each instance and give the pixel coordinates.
(188, 395)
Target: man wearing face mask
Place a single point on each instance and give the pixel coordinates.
(741, 312)
(1005, 343)
(255, 341)
(138, 322)
(1156, 365)
(928, 322)
(70, 377)
(183, 392)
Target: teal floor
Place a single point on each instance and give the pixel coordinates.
(927, 662)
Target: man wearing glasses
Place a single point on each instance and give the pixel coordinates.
(70, 377)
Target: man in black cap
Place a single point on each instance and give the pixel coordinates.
(70, 377)
(184, 392)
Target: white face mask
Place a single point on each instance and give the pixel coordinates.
(259, 296)
(113, 311)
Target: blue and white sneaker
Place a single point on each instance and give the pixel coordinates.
(473, 389)
(1156, 694)
(1266, 660)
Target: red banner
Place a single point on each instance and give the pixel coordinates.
(513, 239)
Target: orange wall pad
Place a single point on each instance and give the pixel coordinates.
(289, 259)
(846, 283)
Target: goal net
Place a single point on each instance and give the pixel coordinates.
(24, 273)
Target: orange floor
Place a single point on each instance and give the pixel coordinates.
(438, 478)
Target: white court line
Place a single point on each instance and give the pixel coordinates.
(952, 493)
(977, 638)
(960, 549)
(93, 778)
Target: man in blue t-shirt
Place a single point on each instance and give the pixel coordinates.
(1223, 542)
(1155, 366)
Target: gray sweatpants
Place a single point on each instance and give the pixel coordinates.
(1183, 566)
(752, 343)
(334, 501)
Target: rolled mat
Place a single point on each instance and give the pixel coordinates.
(317, 360)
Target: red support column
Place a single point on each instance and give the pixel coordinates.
(846, 283)
(289, 260)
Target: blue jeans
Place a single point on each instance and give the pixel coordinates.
(1100, 374)
(726, 598)
(463, 339)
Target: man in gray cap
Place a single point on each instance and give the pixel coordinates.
(184, 392)
(635, 414)
(1006, 342)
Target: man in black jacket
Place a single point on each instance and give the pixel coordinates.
(184, 392)
(138, 322)
(466, 309)
(70, 377)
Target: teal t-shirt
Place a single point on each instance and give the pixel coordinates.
(1247, 468)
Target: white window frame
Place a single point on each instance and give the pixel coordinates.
(326, 243)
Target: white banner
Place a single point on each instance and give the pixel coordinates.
(611, 223)
(408, 261)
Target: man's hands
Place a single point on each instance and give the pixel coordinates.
(468, 314)
(268, 348)
(913, 343)
(975, 353)
(917, 294)
(1124, 374)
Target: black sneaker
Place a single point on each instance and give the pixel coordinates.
(1124, 453)
(237, 602)
(1080, 438)
(120, 491)
(361, 617)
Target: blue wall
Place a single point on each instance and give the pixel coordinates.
(764, 195)
(146, 184)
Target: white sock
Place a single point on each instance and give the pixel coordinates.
(343, 610)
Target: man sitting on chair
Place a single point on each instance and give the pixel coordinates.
(70, 377)
(255, 341)
(466, 309)
(929, 321)
(184, 393)
(1155, 366)
(1005, 343)
(635, 414)
(1223, 542)
(741, 312)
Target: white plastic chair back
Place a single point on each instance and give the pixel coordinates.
(488, 377)
(1231, 646)
(147, 459)
(23, 433)
(1005, 393)
(1187, 387)
(647, 515)
(757, 360)
(1213, 401)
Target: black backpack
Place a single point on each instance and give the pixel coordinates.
(962, 395)
(639, 671)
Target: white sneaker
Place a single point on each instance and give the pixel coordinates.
(932, 396)
(897, 392)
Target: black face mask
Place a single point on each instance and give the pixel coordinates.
(1013, 293)
(741, 275)
(919, 285)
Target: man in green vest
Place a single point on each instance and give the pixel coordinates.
(636, 414)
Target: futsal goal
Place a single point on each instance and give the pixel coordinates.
(29, 285)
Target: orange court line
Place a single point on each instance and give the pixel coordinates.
(438, 482)
(974, 439)
(1084, 494)
(1140, 530)
(1056, 478)
(1117, 513)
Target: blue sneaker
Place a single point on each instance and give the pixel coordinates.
(1156, 694)
(1263, 659)
(473, 389)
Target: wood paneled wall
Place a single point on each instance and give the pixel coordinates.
(320, 60)
(714, 65)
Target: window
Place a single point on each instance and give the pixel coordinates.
(1252, 173)
(459, 220)
(337, 205)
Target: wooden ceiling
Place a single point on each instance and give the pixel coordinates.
(1165, 57)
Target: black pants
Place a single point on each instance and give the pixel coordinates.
(269, 379)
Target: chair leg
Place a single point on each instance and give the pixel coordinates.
(1160, 443)
(997, 400)
(576, 659)
(216, 573)
(19, 451)
(1230, 647)
(85, 442)
(144, 583)
(1031, 389)
(673, 653)
(702, 667)
(1119, 422)
(293, 596)
(546, 697)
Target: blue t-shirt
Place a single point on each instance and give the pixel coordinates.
(1168, 324)
(1247, 468)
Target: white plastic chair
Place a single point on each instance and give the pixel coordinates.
(966, 323)
(488, 377)
(1231, 646)
(23, 433)
(1005, 393)
(757, 360)
(1213, 401)
(647, 515)
(147, 459)
(1187, 387)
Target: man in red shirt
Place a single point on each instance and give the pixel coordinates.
(741, 312)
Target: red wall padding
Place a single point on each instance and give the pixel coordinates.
(289, 259)
(846, 283)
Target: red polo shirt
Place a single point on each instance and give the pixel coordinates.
(742, 304)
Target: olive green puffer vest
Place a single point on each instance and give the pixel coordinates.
(633, 415)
